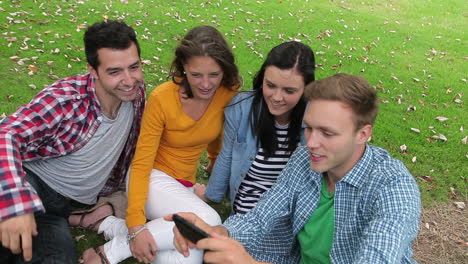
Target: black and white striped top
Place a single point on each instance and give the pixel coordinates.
(262, 174)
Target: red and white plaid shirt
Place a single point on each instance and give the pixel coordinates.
(61, 119)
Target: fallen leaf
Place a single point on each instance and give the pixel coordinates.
(403, 147)
(32, 68)
(416, 130)
(413, 159)
(462, 243)
(442, 119)
(441, 137)
(78, 238)
(32, 86)
(426, 178)
(464, 140)
(459, 205)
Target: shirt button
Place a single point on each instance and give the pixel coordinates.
(78, 97)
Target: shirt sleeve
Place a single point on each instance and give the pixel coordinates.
(219, 178)
(394, 224)
(148, 143)
(23, 132)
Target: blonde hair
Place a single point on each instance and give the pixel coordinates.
(352, 90)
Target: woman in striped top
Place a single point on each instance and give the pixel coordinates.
(262, 128)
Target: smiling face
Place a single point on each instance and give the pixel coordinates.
(282, 90)
(333, 142)
(118, 75)
(204, 76)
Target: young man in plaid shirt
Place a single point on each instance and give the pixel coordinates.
(73, 141)
(338, 200)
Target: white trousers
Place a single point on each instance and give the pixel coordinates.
(166, 196)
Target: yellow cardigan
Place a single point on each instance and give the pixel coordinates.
(172, 142)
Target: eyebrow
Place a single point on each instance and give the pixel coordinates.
(323, 128)
(120, 68)
(286, 87)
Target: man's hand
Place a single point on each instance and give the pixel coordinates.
(143, 246)
(16, 234)
(180, 242)
(222, 249)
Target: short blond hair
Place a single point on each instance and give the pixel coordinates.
(352, 90)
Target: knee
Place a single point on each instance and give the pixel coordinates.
(210, 216)
(54, 234)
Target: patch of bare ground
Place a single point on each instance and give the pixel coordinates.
(443, 235)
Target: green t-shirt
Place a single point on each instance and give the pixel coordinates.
(317, 235)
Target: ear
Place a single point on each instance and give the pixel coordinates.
(93, 72)
(363, 134)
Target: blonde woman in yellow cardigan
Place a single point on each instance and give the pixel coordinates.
(183, 117)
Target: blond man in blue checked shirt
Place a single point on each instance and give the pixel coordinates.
(339, 200)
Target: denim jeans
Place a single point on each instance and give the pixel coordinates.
(54, 243)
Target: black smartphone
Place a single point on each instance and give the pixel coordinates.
(189, 230)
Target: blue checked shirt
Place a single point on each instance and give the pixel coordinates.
(377, 210)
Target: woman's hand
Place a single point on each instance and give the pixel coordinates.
(209, 168)
(143, 246)
(199, 189)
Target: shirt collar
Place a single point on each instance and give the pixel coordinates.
(355, 176)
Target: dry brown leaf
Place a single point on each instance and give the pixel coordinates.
(427, 179)
(33, 68)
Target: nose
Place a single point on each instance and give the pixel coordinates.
(127, 79)
(277, 96)
(312, 140)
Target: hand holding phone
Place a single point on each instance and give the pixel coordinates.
(189, 230)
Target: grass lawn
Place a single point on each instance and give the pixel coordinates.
(412, 52)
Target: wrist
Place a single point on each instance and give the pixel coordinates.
(132, 234)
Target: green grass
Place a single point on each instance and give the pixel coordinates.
(413, 52)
